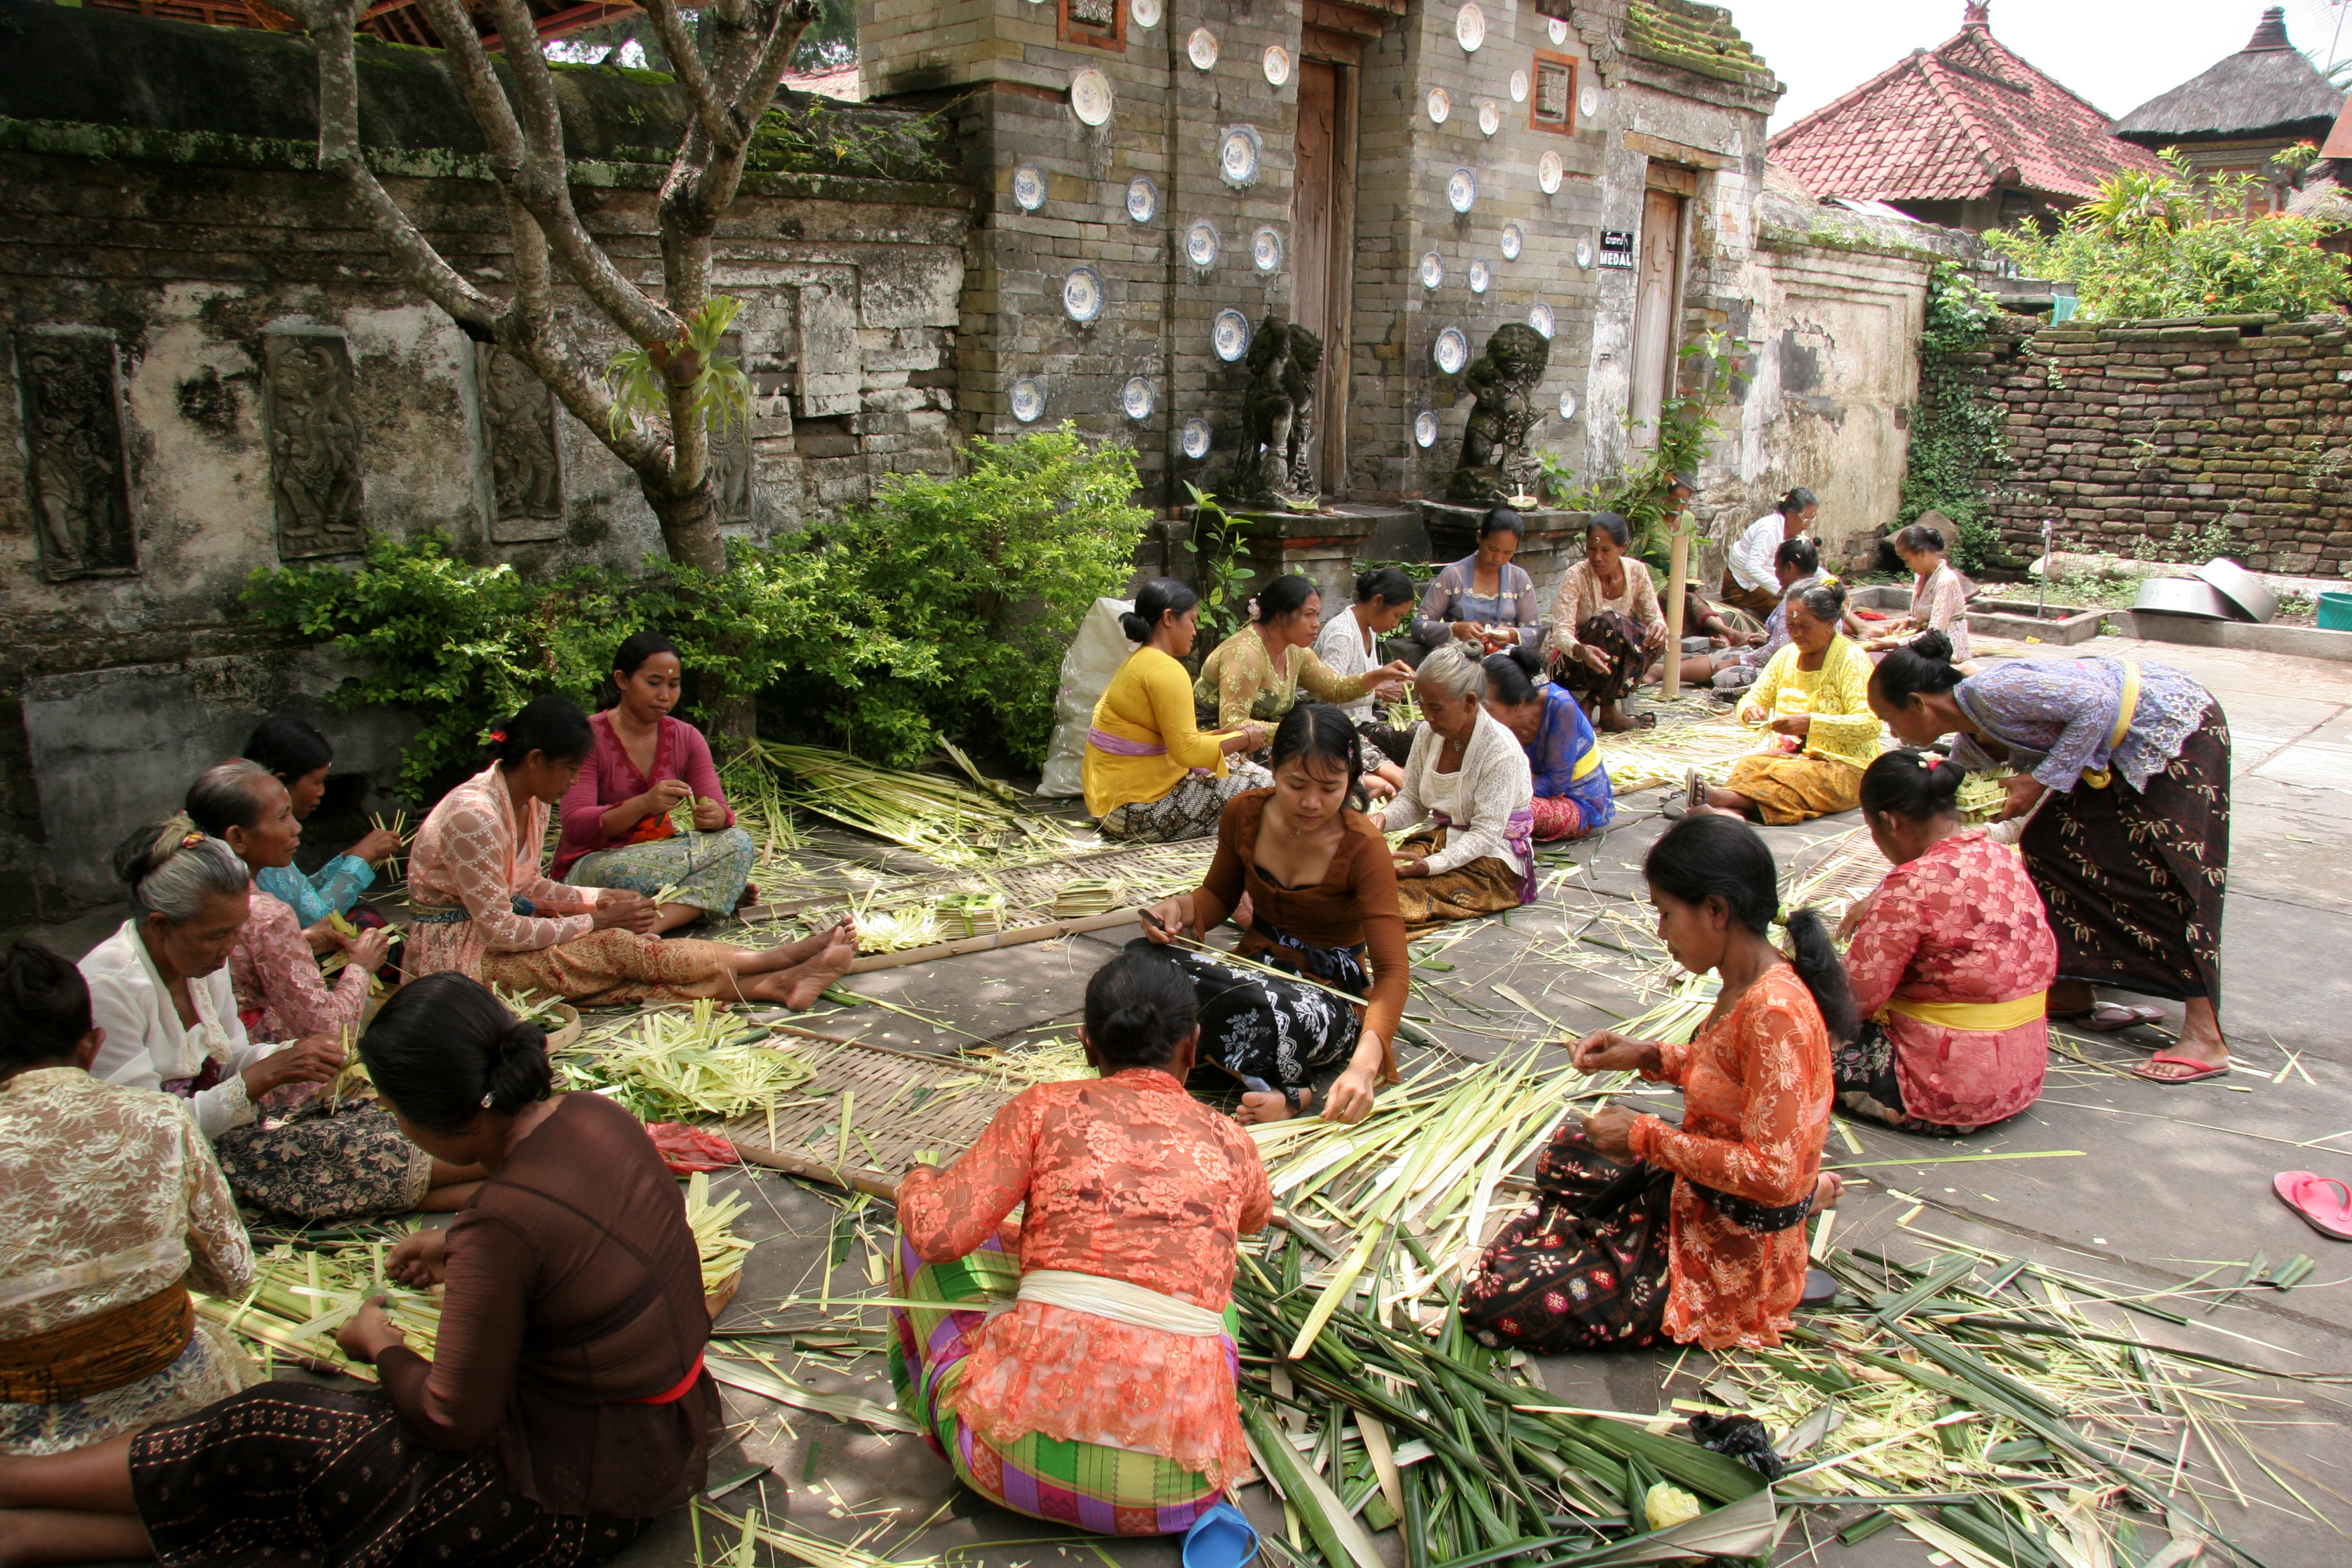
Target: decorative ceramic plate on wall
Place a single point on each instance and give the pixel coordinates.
(1490, 117)
(1440, 105)
(1265, 250)
(1470, 28)
(1143, 200)
(1237, 156)
(1194, 441)
(1137, 397)
(1567, 403)
(1548, 170)
(1143, 13)
(1452, 350)
(1481, 275)
(1229, 334)
(1201, 49)
(1557, 31)
(1518, 86)
(1277, 64)
(1461, 190)
(1433, 270)
(1513, 242)
(1424, 429)
(1539, 318)
(1082, 294)
(1200, 245)
(1584, 253)
(1028, 400)
(1588, 102)
(1090, 97)
(1029, 187)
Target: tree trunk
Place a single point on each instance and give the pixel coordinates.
(690, 526)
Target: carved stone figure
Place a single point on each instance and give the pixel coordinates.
(1278, 416)
(519, 428)
(314, 446)
(1494, 461)
(73, 433)
(731, 452)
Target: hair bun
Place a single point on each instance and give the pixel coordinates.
(1933, 645)
(1137, 628)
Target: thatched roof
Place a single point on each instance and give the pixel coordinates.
(2268, 87)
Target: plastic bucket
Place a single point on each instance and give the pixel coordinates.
(2335, 612)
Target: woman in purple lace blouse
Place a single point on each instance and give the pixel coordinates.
(2121, 772)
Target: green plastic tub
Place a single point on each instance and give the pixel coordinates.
(2335, 612)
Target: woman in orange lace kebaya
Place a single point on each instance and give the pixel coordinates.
(1102, 1393)
(1643, 1229)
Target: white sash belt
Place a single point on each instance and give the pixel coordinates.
(1137, 1306)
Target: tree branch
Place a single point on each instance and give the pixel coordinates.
(716, 183)
(528, 330)
(686, 62)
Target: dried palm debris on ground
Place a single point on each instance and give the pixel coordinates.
(933, 815)
(671, 1065)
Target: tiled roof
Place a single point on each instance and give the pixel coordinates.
(1961, 120)
(1697, 38)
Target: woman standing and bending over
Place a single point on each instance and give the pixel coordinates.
(2121, 771)
(565, 1405)
(1643, 1229)
(483, 907)
(1951, 963)
(1349, 644)
(1152, 775)
(299, 757)
(1308, 877)
(1814, 696)
(1469, 779)
(1485, 599)
(1260, 670)
(1102, 1391)
(619, 830)
(1573, 796)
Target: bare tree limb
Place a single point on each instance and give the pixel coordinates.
(529, 331)
(715, 183)
(686, 62)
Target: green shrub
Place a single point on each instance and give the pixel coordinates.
(1956, 433)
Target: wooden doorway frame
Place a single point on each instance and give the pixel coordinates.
(1345, 54)
(1681, 184)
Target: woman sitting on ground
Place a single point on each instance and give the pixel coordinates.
(1607, 630)
(110, 1206)
(1951, 961)
(1469, 779)
(618, 827)
(1104, 1398)
(1643, 1229)
(1940, 599)
(1484, 599)
(159, 990)
(1798, 565)
(1260, 670)
(1747, 570)
(484, 908)
(280, 994)
(1308, 878)
(1815, 696)
(1572, 797)
(1152, 775)
(1349, 644)
(2122, 779)
(299, 757)
(565, 1405)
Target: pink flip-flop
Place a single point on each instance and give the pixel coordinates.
(2108, 1018)
(2308, 1196)
(2204, 1070)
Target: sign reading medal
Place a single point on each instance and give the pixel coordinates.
(1617, 248)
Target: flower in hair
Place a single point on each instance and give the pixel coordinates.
(498, 737)
(190, 840)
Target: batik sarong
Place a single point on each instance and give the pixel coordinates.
(1276, 1030)
(325, 1162)
(709, 869)
(1796, 789)
(1189, 810)
(1486, 885)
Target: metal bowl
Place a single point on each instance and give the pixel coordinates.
(2247, 594)
(2183, 596)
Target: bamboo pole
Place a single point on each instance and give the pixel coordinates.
(995, 940)
(1677, 580)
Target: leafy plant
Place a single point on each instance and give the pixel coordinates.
(1557, 478)
(1956, 433)
(639, 379)
(1685, 424)
(1218, 565)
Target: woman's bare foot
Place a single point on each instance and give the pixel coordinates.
(798, 989)
(1614, 718)
(793, 954)
(1272, 1106)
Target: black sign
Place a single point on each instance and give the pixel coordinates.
(1616, 247)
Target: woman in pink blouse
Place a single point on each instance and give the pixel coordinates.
(1952, 961)
(483, 907)
(619, 827)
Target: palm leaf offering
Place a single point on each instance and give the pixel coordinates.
(540, 1012)
(299, 1298)
(713, 1224)
(672, 1065)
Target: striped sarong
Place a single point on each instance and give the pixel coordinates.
(1106, 1491)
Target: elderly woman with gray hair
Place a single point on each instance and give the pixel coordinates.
(1469, 779)
(160, 991)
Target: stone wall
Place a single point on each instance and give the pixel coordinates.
(2180, 438)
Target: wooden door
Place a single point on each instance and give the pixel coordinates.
(1322, 224)
(1657, 301)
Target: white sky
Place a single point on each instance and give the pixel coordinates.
(2116, 53)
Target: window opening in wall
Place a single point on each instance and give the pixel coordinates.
(1098, 23)
(1552, 105)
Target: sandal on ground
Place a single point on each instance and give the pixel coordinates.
(1675, 809)
(2327, 1212)
(1221, 1538)
(1644, 721)
(2204, 1070)
(2107, 1017)
(1821, 1288)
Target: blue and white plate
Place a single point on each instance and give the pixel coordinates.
(1137, 397)
(1567, 403)
(1433, 270)
(1238, 151)
(1514, 241)
(1481, 275)
(1028, 400)
(1201, 49)
(1143, 200)
(1265, 250)
(1090, 96)
(1229, 334)
(1539, 318)
(1452, 350)
(1194, 441)
(1584, 253)
(1082, 294)
(1029, 187)
(1200, 245)
(1461, 190)
(1440, 105)
(1424, 429)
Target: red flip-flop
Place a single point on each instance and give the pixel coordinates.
(2322, 1210)
(2204, 1070)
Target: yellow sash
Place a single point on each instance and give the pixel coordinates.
(1585, 764)
(2099, 778)
(1985, 1017)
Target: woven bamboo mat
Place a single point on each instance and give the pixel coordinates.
(1141, 874)
(900, 1104)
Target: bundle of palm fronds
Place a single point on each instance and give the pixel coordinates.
(674, 1065)
(299, 1298)
(936, 816)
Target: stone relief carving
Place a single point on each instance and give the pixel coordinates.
(519, 431)
(1278, 416)
(1494, 461)
(73, 433)
(314, 445)
(731, 453)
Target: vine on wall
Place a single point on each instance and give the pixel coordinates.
(1955, 432)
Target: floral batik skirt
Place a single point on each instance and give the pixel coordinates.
(709, 869)
(1092, 1486)
(1586, 1267)
(1486, 885)
(1863, 1076)
(287, 1473)
(1618, 638)
(1262, 1027)
(2133, 879)
(1796, 789)
(1191, 810)
(613, 968)
(325, 1162)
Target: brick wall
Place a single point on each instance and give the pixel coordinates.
(2138, 436)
